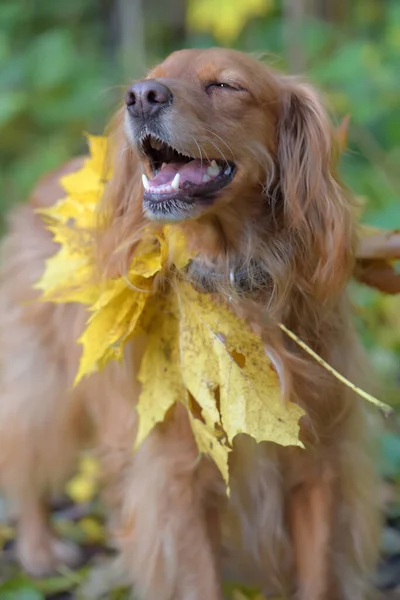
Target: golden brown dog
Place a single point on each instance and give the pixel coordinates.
(242, 159)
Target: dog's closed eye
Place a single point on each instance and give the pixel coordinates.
(222, 85)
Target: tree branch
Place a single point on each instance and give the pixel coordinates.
(383, 245)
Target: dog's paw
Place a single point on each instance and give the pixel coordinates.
(44, 559)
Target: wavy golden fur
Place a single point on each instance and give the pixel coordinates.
(302, 521)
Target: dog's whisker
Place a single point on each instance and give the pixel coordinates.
(218, 150)
(115, 133)
(199, 149)
(222, 140)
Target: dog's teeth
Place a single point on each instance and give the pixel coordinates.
(145, 181)
(175, 182)
(156, 144)
(205, 178)
(163, 165)
(227, 170)
(213, 171)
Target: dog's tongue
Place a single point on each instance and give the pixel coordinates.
(192, 172)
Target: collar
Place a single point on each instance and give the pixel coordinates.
(240, 279)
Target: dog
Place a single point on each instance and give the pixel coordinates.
(241, 159)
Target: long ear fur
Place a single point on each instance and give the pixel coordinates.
(121, 216)
(317, 211)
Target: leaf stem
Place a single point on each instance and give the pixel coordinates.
(385, 407)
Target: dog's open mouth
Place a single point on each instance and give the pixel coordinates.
(180, 180)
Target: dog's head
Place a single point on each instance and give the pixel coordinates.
(215, 137)
(202, 124)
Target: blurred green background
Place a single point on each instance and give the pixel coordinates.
(64, 66)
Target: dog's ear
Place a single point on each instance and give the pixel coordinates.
(120, 217)
(317, 210)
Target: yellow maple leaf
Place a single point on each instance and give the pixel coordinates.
(162, 382)
(69, 274)
(109, 328)
(93, 530)
(159, 372)
(209, 444)
(115, 313)
(98, 160)
(121, 301)
(221, 352)
(192, 352)
(84, 485)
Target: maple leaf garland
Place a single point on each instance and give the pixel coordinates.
(197, 353)
(189, 356)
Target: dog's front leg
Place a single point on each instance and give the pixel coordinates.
(169, 531)
(311, 520)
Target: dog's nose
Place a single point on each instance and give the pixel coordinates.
(146, 98)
